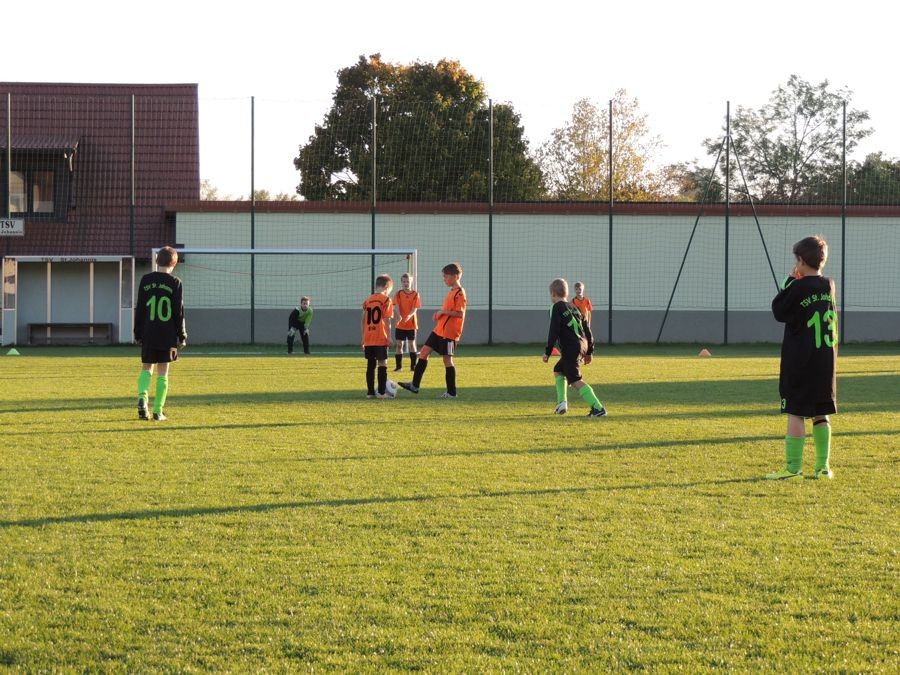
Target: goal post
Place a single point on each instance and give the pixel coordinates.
(244, 295)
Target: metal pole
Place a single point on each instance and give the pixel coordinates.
(132, 196)
(374, 178)
(842, 320)
(8, 165)
(609, 311)
(727, 203)
(252, 219)
(491, 222)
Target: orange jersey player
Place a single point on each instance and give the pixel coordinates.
(406, 302)
(448, 328)
(582, 302)
(376, 334)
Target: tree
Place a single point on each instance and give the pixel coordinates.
(693, 183)
(790, 148)
(875, 181)
(575, 161)
(210, 193)
(432, 140)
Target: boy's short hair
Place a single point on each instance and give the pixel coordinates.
(383, 281)
(166, 256)
(579, 284)
(813, 251)
(406, 275)
(452, 268)
(305, 297)
(559, 288)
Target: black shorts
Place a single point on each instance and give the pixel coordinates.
(440, 345)
(404, 334)
(378, 353)
(802, 408)
(570, 366)
(150, 355)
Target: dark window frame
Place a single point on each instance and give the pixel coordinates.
(60, 162)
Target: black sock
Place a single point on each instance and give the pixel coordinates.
(382, 379)
(370, 377)
(290, 343)
(413, 357)
(399, 358)
(419, 372)
(451, 380)
(305, 337)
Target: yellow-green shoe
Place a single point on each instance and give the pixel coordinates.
(784, 474)
(826, 473)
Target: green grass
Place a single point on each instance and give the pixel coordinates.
(279, 521)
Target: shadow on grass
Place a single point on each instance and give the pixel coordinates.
(339, 503)
(853, 390)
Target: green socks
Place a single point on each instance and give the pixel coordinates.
(793, 452)
(560, 388)
(144, 384)
(588, 396)
(162, 388)
(822, 437)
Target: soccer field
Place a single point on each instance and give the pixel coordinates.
(280, 521)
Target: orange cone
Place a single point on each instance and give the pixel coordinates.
(554, 352)
(704, 352)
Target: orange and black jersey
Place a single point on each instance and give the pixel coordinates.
(569, 331)
(406, 302)
(584, 306)
(451, 327)
(377, 309)
(159, 313)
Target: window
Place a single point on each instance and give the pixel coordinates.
(39, 183)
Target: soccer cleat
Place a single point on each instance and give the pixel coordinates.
(447, 394)
(784, 474)
(370, 395)
(397, 370)
(597, 412)
(383, 397)
(159, 417)
(824, 473)
(561, 408)
(409, 386)
(143, 412)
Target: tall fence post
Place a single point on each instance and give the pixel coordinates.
(252, 219)
(609, 312)
(727, 205)
(490, 222)
(131, 197)
(374, 178)
(843, 324)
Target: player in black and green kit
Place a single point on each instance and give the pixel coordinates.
(806, 305)
(572, 335)
(159, 328)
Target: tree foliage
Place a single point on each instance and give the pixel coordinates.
(575, 161)
(431, 138)
(790, 149)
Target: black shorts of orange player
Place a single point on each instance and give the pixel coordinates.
(379, 353)
(404, 334)
(440, 345)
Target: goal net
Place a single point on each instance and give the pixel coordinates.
(276, 278)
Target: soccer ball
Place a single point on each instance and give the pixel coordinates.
(390, 389)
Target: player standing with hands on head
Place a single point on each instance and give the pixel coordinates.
(376, 334)
(571, 333)
(448, 328)
(299, 322)
(406, 302)
(806, 306)
(160, 330)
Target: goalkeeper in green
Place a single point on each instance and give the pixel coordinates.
(298, 324)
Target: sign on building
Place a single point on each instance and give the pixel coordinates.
(12, 227)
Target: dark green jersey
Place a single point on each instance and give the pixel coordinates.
(159, 313)
(569, 331)
(806, 306)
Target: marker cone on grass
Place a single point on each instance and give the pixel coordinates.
(13, 352)
(704, 352)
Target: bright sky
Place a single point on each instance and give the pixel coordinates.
(681, 60)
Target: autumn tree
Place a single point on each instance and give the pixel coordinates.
(575, 161)
(432, 140)
(790, 149)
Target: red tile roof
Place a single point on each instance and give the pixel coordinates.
(97, 117)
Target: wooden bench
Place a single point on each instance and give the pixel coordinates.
(65, 333)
